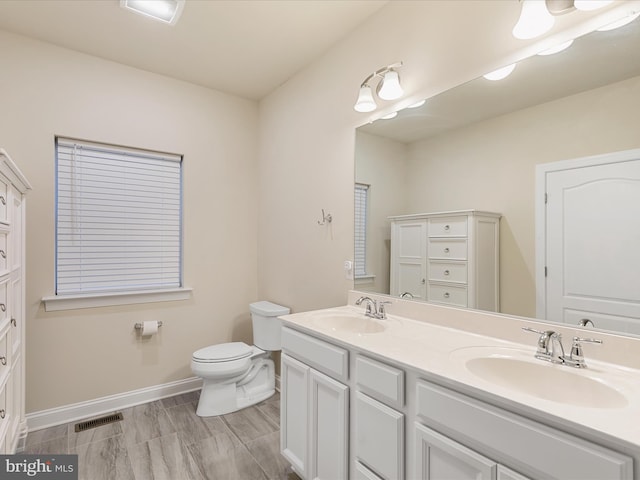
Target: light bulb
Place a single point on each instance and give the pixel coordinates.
(500, 73)
(534, 20)
(389, 88)
(365, 102)
(558, 48)
(588, 5)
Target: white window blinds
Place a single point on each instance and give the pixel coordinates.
(360, 257)
(118, 219)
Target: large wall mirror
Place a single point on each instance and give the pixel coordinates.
(478, 146)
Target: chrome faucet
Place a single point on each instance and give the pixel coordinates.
(373, 309)
(550, 348)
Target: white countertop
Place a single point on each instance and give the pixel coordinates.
(436, 349)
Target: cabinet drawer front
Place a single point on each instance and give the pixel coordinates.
(448, 248)
(381, 381)
(4, 201)
(540, 451)
(3, 300)
(4, 254)
(448, 271)
(448, 226)
(379, 437)
(327, 358)
(5, 347)
(4, 409)
(449, 294)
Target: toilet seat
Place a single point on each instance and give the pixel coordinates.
(223, 352)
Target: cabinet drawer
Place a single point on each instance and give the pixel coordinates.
(448, 271)
(379, 440)
(448, 226)
(327, 358)
(4, 354)
(448, 248)
(4, 409)
(384, 382)
(4, 263)
(449, 294)
(549, 453)
(3, 300)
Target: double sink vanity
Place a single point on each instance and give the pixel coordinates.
(432, 392)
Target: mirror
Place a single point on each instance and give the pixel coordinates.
(477, 146)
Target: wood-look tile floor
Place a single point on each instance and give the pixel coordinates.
(166, 440)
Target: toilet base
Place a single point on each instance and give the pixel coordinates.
(221, 398)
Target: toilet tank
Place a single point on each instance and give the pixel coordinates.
(266, 326)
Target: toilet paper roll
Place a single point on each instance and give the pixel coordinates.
(149, 328)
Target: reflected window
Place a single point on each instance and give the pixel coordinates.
(360, 257)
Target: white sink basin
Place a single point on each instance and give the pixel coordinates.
(349, 323)
(518, 370)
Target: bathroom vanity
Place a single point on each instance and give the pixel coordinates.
(432, 392)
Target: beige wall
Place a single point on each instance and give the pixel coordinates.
(380, 163)
(491, 166)
(307, 130)
(79, 355)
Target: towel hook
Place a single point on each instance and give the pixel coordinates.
(325, 218)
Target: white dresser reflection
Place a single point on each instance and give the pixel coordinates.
(447, 257)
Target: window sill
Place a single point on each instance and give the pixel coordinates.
(71, 302)
(365, 278)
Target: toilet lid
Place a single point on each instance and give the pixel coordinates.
(223, 352)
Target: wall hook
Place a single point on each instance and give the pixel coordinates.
(325, 218)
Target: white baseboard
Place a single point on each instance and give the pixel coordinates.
(100, 406)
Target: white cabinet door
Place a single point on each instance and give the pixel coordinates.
(440, 458)
(379, 437)
(294, 398)
(328, 441)
(409, 258)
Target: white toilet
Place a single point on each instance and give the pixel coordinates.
(236, 375)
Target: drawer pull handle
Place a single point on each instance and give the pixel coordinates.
(4, 202)
(14, 322)
(3, 413)
(3, 254)
(446, 250)
(447, 228)
(3, 360)
(3, 307)
(423, 281)
(446, 272)
(446, 295)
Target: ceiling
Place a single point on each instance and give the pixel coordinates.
(243, 47)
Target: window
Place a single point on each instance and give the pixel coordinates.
(360, 257)
(118, 219)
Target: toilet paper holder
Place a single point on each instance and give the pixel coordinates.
(138, 326)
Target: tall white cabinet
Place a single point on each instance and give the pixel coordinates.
(13, 187)
(451, 258)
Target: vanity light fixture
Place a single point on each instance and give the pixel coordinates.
(558, 48)
(166, 11)
(388, 89)
(500, 73)
(535, 20)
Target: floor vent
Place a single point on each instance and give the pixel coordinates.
(98, 422)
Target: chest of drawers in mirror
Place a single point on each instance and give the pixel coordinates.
(447, 257)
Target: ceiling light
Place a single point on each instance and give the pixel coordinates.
(500, 73)
(417, 104)
(388, 89)
(619, 23)
(588, 5)
(558, 48)
(534, 20)
(167, 11)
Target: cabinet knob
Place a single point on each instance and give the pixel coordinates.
(3, 307)
(3, 413)
(446, 295)
(14, 322)
(447, 228)
(3, 360)
(4, 202)
(3, 254)
(446, 272)
(423, 281)
(446, 250)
